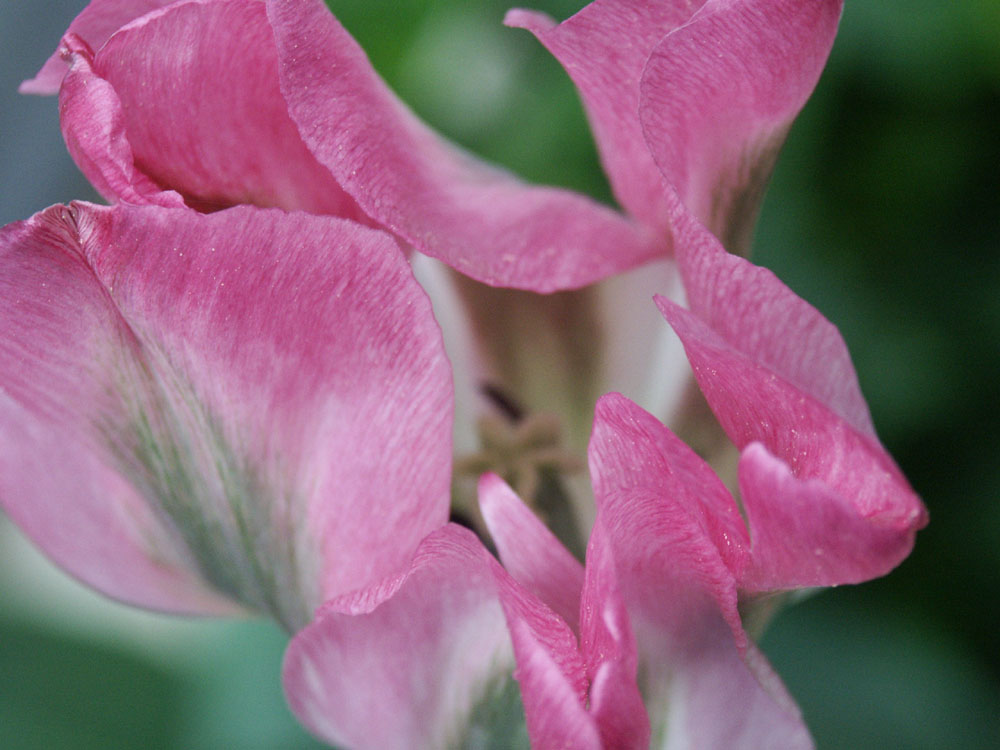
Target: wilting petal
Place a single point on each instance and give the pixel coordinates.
(478, 219)
(425, 659)
(98, 21)
(257, 402)
(604, 48)
(194, 91)
(530, 552)
(718, 96)
(776, 372)
(679, 591)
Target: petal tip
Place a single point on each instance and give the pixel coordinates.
(532, 20)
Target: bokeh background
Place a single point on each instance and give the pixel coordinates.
(884, 212)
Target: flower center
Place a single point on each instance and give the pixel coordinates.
(528, 451)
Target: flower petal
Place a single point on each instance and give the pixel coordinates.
(478, 219)
(806, 534)
(56, 323)
(262, 399)
(98, 21)
(632, 452)
(604, 49)
(194, 88)
(679, 591)
(776, 372)
(761, 318)
(530, 552)
(609, 648)
(94, 129)
(718, 95)
(424, 660)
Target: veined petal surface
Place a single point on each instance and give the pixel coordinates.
(529, 551)
(96, 134)
(777, 373)
(718, 95)
(257, 403)
(604, 49)
(478, 219)
(692, 94)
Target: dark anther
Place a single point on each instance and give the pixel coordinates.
(504, 403)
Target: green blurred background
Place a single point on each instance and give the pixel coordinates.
(884, 212)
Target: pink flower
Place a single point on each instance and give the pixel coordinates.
(250, 408)
(208, 413)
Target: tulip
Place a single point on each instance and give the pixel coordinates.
(227, 392)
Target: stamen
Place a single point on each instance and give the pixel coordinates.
(527, 451)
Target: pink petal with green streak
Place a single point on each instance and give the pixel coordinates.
(57, 480)
(98, 21)
(424, 658)
(604, 49)
(700, 688)
(195, 90)
(260, 400)
(718, 95)
(478, 219)
(530, 552)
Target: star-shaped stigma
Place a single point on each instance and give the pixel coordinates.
(524, 449)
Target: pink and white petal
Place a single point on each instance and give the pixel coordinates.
(425, 660)
(806, 534)
(717, 700)
(409, 667)
(93, 126)
(717, 98)
(57, 332)
(232, 384)
(702, 687)
(530, 553)
(604, 49)
(550, 669)
(95, 24)
(480, 220)
(198, 99)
